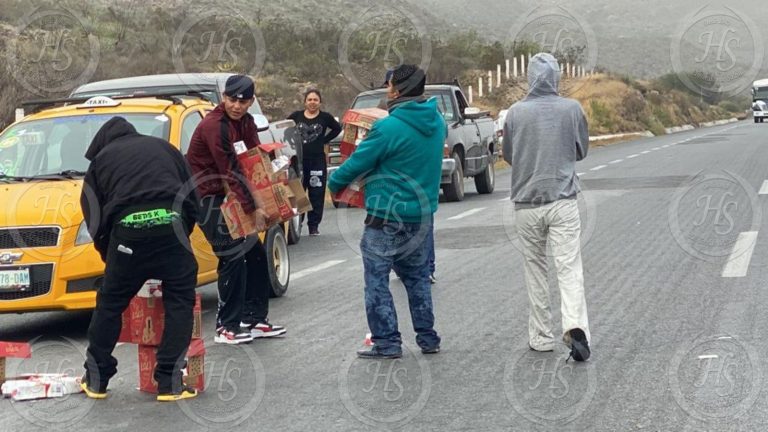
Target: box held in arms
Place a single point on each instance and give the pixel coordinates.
(267, 178)
(357, 124)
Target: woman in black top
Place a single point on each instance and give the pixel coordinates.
(316, 129)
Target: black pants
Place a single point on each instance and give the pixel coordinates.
(244, 285)
(315, 179)
(157, 253)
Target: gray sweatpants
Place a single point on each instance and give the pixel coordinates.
(558, 226)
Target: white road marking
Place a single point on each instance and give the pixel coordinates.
(466, 214)
(656, 148)
(645, 152)
(580, 174)
(632, 156)
(665, 146)
(317, 268)
(738, 261)
(764, 188)
(724, 338)
(598, 168)
(505, 199)
(616, 161)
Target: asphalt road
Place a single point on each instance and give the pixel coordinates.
(675, 262)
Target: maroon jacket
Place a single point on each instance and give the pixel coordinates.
(213, 159)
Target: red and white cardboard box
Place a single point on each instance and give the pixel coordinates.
(194, 373)
(41, 386)
(12, 349)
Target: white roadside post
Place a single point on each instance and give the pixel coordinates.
(19, 114)
(522, 64)
(498, 76)
(490, 83)
(507, 62)
(480, 87)
(471, 95)
(514, 67)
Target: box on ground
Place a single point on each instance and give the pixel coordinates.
(194, 372)
(40, 386)
(12, 349)
(357, 124)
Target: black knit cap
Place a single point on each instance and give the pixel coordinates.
(239, 87)
(409, 80)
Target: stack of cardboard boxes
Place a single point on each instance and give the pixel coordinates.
(143, 324)
(269, 184)
(357, 124)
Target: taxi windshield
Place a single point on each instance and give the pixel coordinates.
(47, 147)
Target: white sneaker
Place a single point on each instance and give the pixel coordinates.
(230, 337)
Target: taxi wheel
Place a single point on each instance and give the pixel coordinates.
(278, 261)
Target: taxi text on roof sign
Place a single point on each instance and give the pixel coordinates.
(99, 101)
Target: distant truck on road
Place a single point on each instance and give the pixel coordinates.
(760, 100)
(471, 148)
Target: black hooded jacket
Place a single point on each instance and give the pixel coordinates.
(130, 172)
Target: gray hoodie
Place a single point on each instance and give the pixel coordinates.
(544, 136)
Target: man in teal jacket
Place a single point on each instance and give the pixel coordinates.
(400, 164)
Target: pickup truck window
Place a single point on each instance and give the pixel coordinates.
(444, 103)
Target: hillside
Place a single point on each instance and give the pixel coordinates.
(340, 46)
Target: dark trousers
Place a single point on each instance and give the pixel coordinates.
(404, 248)
(243, 270)
(157, 253)
(315, 180)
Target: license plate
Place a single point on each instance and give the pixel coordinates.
(12, 280)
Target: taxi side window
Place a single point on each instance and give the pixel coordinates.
(188, 128)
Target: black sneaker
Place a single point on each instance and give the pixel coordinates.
(432, 279)
(375, 354)
(232, 336)
(93, 391)
(432, 350)
(262, 329)
(314, 232)
(579, 345)
(183, 393)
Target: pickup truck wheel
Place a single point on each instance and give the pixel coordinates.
(486, 181)
(455, 190)
(278, 261)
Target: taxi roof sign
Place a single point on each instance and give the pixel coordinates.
(98, 102)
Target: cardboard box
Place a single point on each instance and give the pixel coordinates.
(41, 386)
(147, 320)
(357, 124)
(125, 327)
(194, 372)
(12, 349)
(271, 191)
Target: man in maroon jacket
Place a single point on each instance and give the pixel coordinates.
(244, 285)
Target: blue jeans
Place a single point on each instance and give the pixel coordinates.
(404, 248)
(431, 250)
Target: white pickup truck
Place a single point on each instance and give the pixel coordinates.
(471, 148)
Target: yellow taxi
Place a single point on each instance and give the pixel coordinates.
(47, 259)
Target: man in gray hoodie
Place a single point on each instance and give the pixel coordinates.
(544, 136)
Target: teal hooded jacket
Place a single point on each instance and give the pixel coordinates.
(401, 162)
